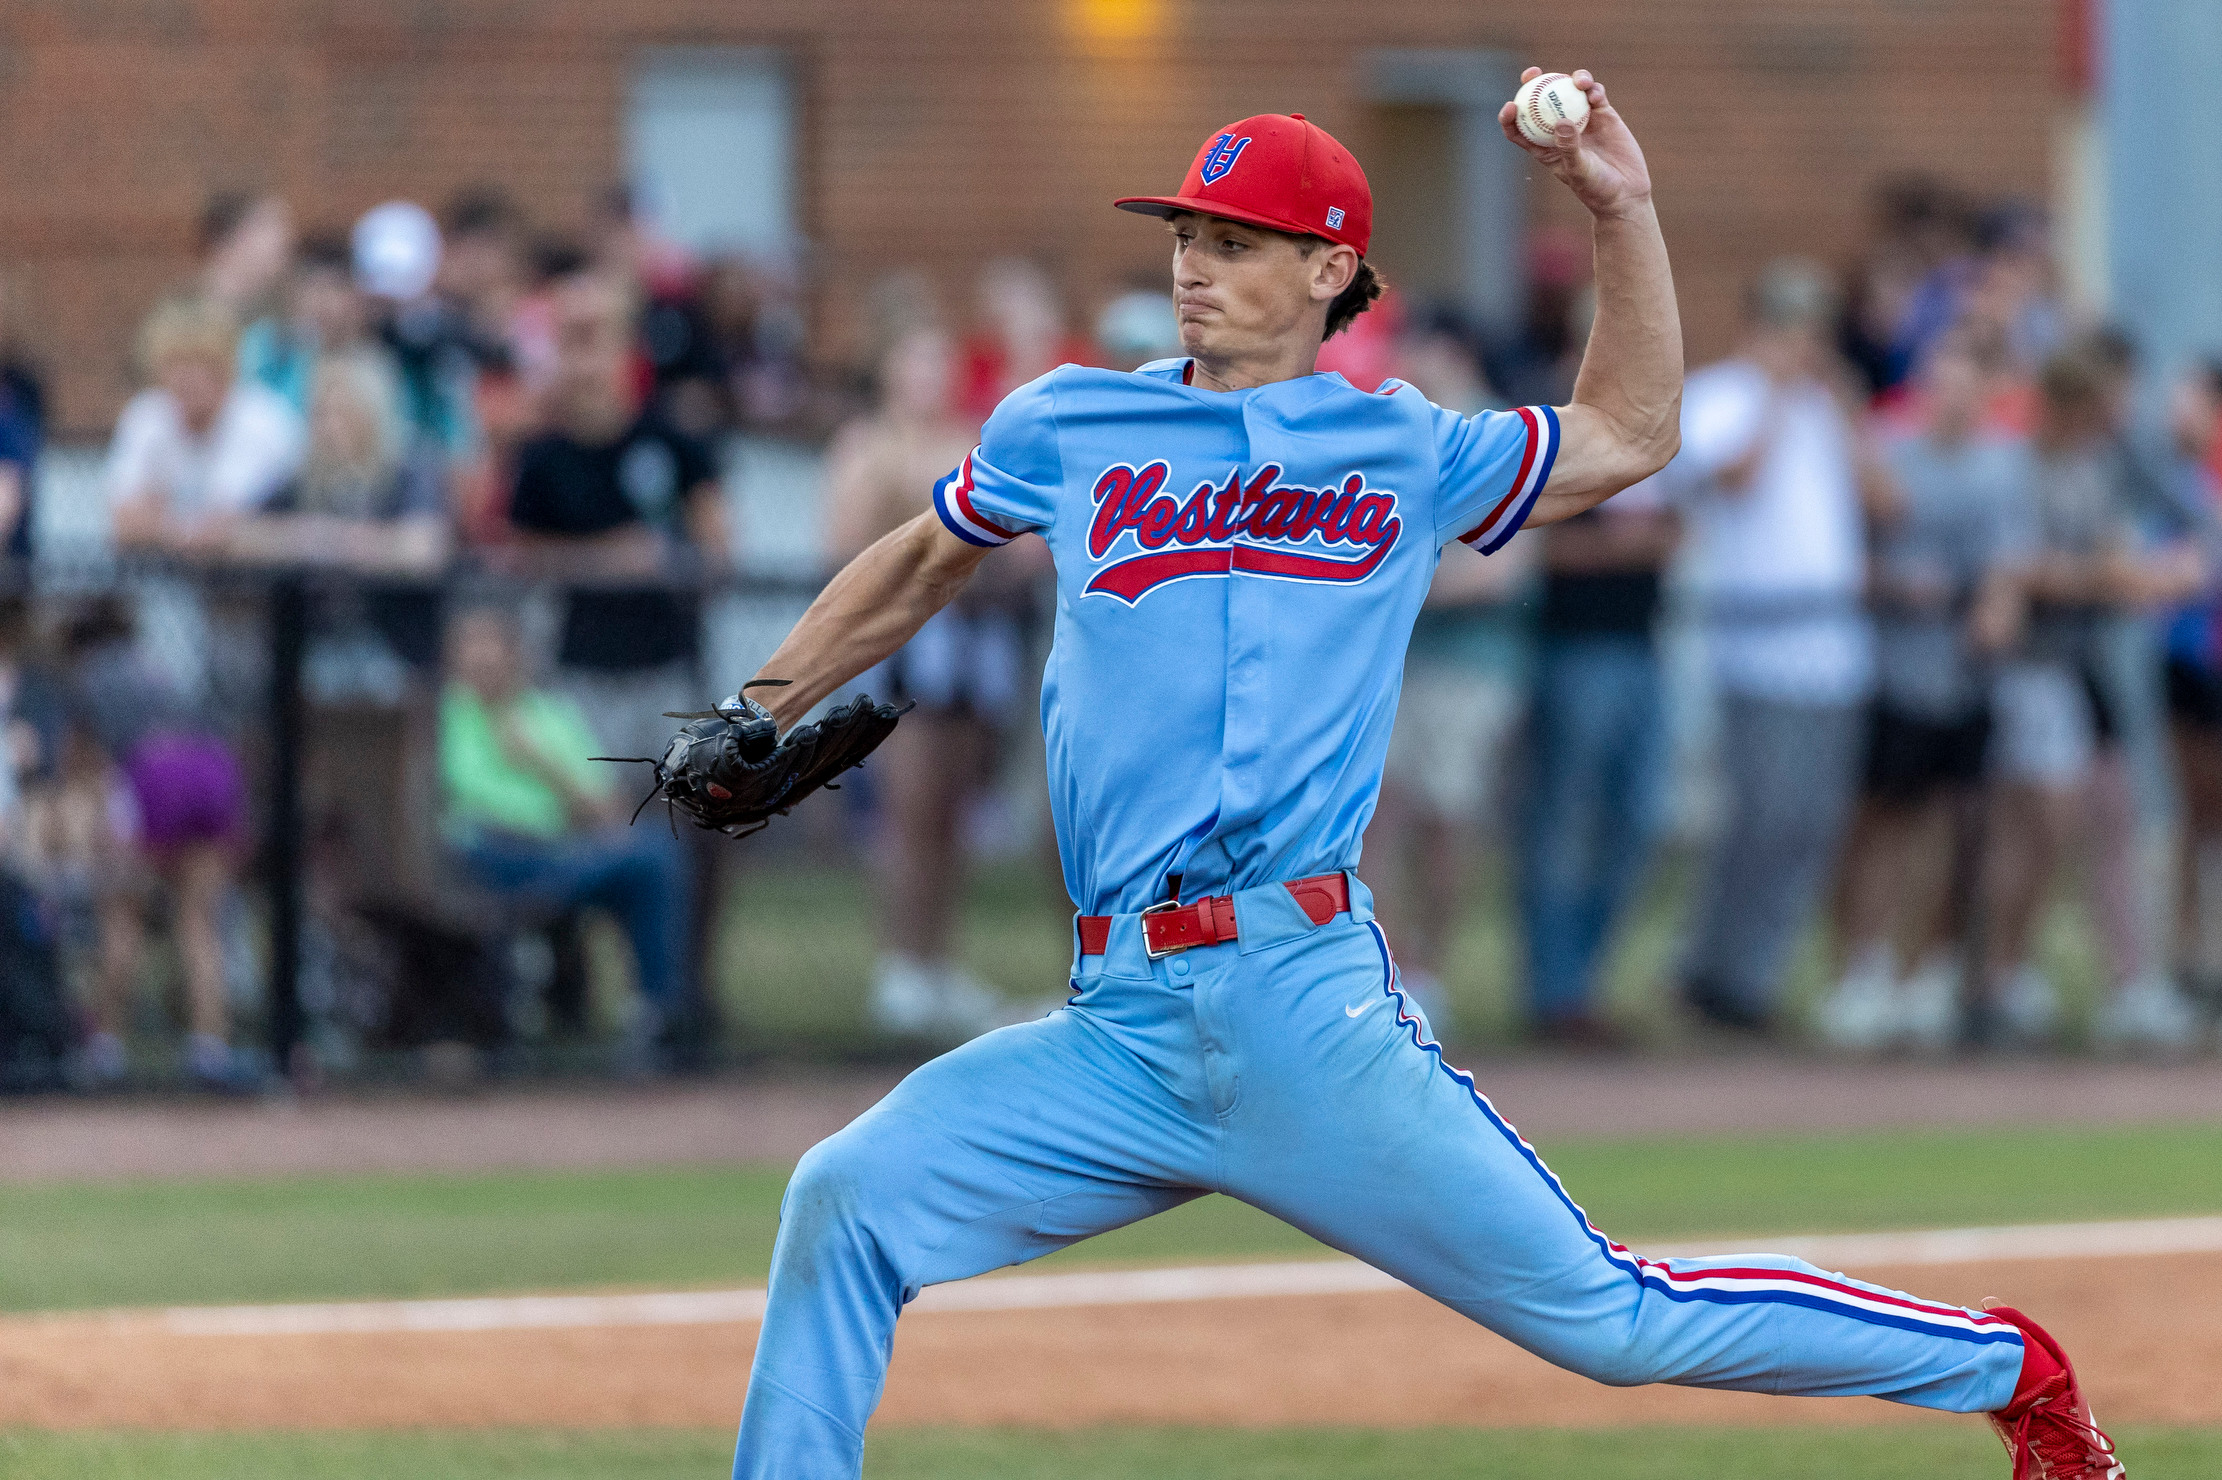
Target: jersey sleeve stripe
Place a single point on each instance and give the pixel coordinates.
(962, 493)
(1510, 512)
(953, 502)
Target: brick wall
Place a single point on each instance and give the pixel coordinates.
(938, 130)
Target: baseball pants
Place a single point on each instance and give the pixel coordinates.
(1288, 1070)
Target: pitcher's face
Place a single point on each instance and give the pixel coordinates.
(1239, 289)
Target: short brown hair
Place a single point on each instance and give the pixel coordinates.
(1366, 287)
(1364, 290)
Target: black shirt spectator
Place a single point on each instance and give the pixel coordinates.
(648, 476)
(1584, 603)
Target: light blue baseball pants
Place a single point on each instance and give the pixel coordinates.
(1290, 1071)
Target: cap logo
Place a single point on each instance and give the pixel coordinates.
(1220, 158)
(1334, 218)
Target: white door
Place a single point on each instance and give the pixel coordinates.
(710, 147)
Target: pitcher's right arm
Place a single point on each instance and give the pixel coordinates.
(866, 612)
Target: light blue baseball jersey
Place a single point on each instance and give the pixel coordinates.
(1237, 577)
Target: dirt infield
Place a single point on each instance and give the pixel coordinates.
(2147, 1332)
(777, 1118)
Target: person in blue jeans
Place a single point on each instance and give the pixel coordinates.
(531, 817)
(1599, 754)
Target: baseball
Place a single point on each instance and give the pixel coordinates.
(1545, 102)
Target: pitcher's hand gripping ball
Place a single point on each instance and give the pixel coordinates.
(729, 771)
(1543, 103)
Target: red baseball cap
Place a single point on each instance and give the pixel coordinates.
(1278, 170)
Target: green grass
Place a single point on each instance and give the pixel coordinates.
(1930, 1452)
(81, 1246)
(798, 946)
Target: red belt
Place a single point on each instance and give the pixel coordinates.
(1167, 928)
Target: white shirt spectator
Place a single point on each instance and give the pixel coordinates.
(253, 449)
(1779, 564)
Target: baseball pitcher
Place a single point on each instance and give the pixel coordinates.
(1241, 546)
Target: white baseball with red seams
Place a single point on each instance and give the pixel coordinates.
(1545, 102)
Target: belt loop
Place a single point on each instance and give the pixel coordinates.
(1360, 897)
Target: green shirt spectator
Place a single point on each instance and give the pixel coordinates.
(520, 768)
(532, 819)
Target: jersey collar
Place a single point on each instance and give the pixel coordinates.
(1182, 371)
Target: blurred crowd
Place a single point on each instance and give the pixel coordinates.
(1948, 556)
(382, 405)
(1946, 549)
(422, 420)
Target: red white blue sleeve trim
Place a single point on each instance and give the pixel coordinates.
(953, 502)
(1510, 512)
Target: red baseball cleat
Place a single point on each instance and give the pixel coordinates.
(2047, 1428)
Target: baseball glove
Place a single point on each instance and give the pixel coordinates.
(728, 770)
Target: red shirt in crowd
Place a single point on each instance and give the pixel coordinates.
(987, 374)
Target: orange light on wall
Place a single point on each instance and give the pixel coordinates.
(1113, 23)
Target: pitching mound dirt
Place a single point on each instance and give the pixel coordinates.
(2147, 1333)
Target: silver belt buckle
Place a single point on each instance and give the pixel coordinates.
(1159, 909)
